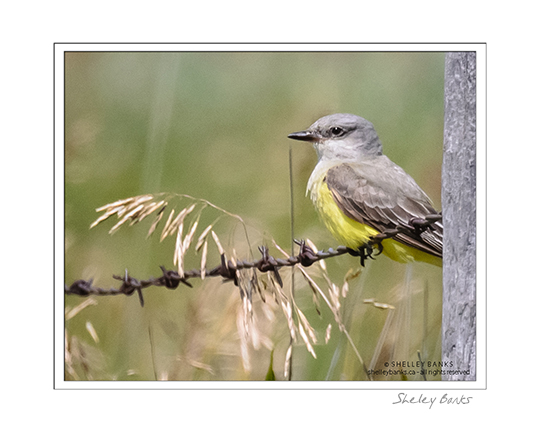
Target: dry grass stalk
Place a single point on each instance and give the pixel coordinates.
(178, 258)
(314, 287)
(203, 259)
(254, 333)
(302, 319)
(72, 312)
(288, 357)
(125, 209)
(202, 237)
(92, 331)
(333, 308)
(189, 236)
(306, 340)
(119, 203)
(166, 227)
(247, 282)
(202, 366)
(241, 325)
(182, 244)
(308, 337)
(69, 359)
(333, 291)
(217, 242)
(149, 209)
(287, 311)
(125, 217)
(328, 333)
(178, 220)
(248, 318)
(137, 208)
(75, 354)
(155, 224)
(245, 294)
(379, 305)
(345, 289)
(281, 250)
(103, 217)
(282, 300)
(259, 286)
(137, 201)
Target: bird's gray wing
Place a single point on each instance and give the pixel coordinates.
(380, 194)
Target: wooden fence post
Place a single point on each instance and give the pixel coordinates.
(459, 218)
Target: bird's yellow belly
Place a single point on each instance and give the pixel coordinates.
(347, 231)
(353, 234)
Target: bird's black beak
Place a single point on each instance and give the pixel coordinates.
(306, 135)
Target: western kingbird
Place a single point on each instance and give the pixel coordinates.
(360, 193)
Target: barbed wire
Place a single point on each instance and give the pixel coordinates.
(228, 270)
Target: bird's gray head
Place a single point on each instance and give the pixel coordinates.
(342, 136)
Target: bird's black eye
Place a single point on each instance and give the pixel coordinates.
(336, 131)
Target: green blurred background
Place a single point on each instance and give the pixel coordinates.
(214, 126)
